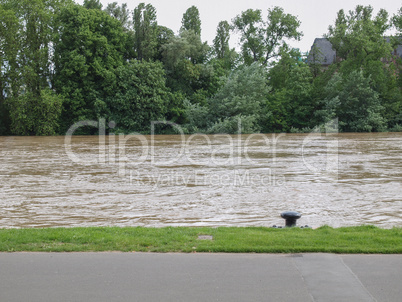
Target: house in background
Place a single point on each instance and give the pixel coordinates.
(397, 51)
(321, 52)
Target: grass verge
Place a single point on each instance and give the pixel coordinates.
(363, 239)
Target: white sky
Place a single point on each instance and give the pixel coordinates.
(315, 15)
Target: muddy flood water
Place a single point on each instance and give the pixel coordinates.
(214, 180)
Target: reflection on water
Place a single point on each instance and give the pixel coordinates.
(340, 180)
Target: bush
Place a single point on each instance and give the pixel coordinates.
(238, 102)
(354, 102)
(35, 115)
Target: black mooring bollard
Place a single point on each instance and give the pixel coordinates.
(290, 218)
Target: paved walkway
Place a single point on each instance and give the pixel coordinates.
(199, 277)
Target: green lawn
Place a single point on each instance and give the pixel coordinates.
(363, 239)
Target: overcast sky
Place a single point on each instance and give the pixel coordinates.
(315, 15)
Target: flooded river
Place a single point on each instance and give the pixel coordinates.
(215, 180)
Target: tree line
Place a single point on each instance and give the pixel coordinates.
(62, 62)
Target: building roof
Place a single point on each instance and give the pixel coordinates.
(321, 52)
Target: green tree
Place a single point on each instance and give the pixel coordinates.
(26, 64)
(33, 115)
(124, 16)
(184, 57)
(238, 102)
(92, 4)
(397, 21)
(394, 109)
(290, 101)
(145, 31)
(191, 21)
(221, 41)
(121, 13)
(359, 38)
(35, 46)
(90, 47)
(261, 40)
(164, 36)
(251, 28)
(140, 96)
(354, 102)
(221, 47)
(9, 76)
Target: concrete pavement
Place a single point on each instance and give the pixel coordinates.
(199, 277)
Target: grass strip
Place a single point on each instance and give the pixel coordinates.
(362, 239)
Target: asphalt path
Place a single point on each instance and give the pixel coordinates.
(199, 277)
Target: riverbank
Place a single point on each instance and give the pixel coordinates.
(362, 239)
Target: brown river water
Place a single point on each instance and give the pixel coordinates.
(214, 180)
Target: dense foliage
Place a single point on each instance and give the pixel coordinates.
(61, 63)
